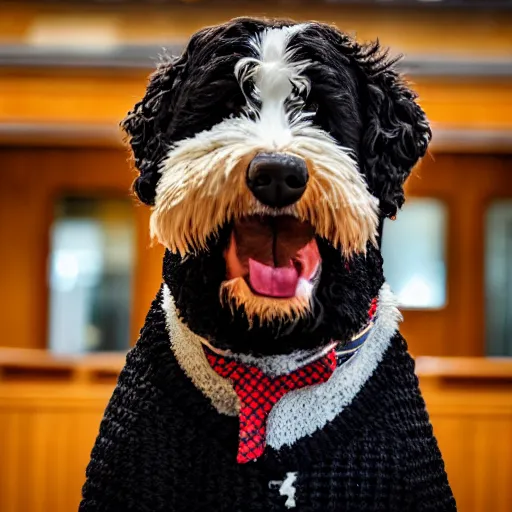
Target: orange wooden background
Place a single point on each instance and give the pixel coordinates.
(58, 128)
(473, 33)
(97, 100)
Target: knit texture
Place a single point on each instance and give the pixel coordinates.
(163, 446)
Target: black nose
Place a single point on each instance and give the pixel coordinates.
(277, 179)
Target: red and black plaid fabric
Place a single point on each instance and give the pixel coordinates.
(373, 309)
(258, 393)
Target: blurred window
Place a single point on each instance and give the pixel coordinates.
(413, 248)
(498, 278)
(92, 247)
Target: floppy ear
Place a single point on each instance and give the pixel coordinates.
(148, 126)
(396, 135)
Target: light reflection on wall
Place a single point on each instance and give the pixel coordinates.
(414, 254)
(498, 278)
(91, 267)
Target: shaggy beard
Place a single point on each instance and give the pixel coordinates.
(339, 306)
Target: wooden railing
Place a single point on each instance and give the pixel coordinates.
(50, 409)
(470, 404)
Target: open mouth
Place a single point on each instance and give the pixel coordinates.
(277, 256)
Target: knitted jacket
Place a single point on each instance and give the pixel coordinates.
(360, 442)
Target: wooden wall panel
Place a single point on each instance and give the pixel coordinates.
(466, 184)
(71, 96)
(45, 440)
(465, 102)
(478, 457)
(472, 416)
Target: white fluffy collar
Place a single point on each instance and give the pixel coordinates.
(298, 413)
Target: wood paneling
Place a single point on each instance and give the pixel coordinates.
(466, 102)
(45, 440)
(71, 97)
(48, 424)
(470, 405)
(50, 410)
(102, 98)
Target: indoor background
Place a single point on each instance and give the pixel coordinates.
(78, 271)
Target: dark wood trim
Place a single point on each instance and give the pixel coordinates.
(144, 57)
(419, 5)
(61, 135)
(453, 139)
(128, 57)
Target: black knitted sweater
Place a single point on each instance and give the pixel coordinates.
(163, 447)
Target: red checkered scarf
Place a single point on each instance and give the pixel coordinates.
(258, 392)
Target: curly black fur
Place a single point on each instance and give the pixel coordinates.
(357, 83)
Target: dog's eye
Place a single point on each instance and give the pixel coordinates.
(311, 106)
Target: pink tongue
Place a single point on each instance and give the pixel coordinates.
(273, 281)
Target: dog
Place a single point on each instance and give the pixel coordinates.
(270, 373)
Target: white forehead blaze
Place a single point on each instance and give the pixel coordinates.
(276, 77)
